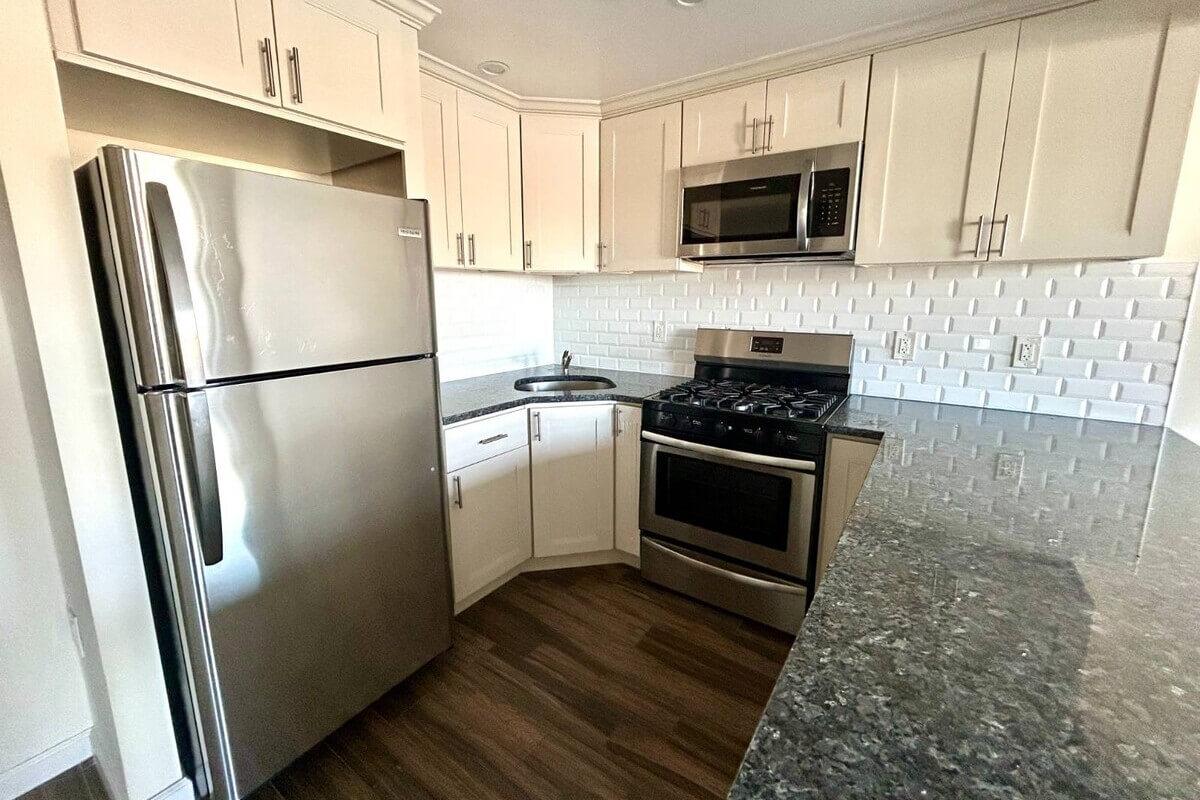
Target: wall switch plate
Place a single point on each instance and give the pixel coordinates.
(903, 344)
(1009, 467)
(1027, 352)
(660, 331)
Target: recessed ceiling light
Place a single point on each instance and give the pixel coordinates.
(493, 68)
(689, 3)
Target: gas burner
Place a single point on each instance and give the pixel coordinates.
(752, 398)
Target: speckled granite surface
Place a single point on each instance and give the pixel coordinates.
(475, 397)
(982, 634)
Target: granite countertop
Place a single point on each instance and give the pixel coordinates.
(1013, 611)
(475, 397)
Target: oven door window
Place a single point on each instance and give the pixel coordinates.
(742, 211)
(743, 503)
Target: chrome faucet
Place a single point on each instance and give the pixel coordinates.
(566, 361)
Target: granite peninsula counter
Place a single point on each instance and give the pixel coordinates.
(1013, 611)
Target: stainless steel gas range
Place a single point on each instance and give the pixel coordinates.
(732, 464)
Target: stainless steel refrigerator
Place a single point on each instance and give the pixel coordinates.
(272, 351)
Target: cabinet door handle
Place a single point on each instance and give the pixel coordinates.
(495, 438)
(458, 240)
(528, 254)
(537, 426)
(769, 133)
(297, 87)
(471, 248)
(979, 238)
(1003, 237)
(754, 138)
(616, 422)
(458, 491)
(599, 255)
(265, 48)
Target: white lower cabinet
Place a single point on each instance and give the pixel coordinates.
(627, 478)
(490, 526)
(571, 455)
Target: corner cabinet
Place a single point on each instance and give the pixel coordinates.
(349, 62)
(847, 462)
(640, 190)
(472, 178)
(560, 170)
(1088, 115)
(627, 478)
(571, 455)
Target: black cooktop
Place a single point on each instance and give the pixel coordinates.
(784, 402)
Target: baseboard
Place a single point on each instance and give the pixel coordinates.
(552, 562)
(50, 763)
(179, 790)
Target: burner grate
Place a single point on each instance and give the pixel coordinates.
(752, 398)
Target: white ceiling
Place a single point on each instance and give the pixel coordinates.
(599, 49)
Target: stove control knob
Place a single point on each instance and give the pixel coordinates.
(666, 420)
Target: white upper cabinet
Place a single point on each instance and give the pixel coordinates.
(627, 481)
(347, 61)
(439, 134)
(639, 190)
(1100, 107)
(560, 171)
(818, 108)
(724, 125)
(571, 449)
(223, 44)
(489, 147)
(933, 143)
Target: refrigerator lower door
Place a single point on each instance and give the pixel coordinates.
(332, 582)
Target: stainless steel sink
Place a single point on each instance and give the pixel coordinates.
(561, 383)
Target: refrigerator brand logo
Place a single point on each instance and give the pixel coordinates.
(410, 233)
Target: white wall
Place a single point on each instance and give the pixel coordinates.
(45, 716)
(492, 322)
(1112, 330)
(132, 733)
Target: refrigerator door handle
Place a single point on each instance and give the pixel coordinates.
(194, 464)
(168, 253)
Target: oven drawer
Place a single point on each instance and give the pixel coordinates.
(743, 591)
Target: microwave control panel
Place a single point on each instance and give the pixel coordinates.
(827, 211)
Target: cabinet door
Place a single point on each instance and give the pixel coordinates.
(347, 61)
(222, 44)
(724, 125)
(560, 173)
(572, 453)
(934, 137)
(627, 478)
(489, 146)
(819, 107)
(490, 528)
(1099, 118)
(439, 135)
(847, 463)
(639, 189)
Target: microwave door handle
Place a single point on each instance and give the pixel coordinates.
(168, 256)
(806, 190)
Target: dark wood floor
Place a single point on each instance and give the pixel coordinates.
(566, 684)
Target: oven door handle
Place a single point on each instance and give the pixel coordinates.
(732, 455)
(748, 580)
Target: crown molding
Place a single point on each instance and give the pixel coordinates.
(443, 70)
(856, 45)
(417, 13)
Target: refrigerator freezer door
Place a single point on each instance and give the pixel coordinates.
(333, 584)
(230, 273)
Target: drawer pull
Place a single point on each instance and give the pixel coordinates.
(495, 438)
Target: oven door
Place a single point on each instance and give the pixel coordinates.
(752, 508)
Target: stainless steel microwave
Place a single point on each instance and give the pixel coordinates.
(798, 205)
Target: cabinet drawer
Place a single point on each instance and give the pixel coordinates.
(472, 442)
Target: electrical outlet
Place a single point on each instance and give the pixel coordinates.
(1009, 467)
(903, 344)
(893, 450)
(1027, 352)
(660, 331)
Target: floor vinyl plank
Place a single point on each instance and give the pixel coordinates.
(565, 684)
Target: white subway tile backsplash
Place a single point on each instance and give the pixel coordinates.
(492, 322)
(1111, 328)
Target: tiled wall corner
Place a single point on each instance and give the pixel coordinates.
(492, 322)
(1111, 330)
